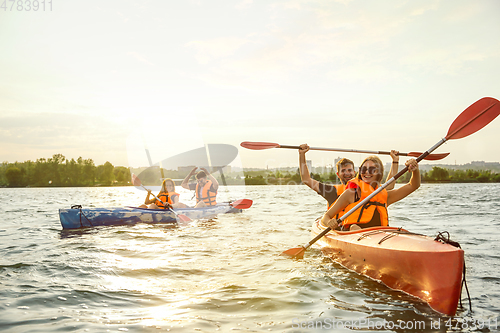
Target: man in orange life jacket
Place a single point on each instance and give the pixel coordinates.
(205, 188)
(345, 172)
(374, 212)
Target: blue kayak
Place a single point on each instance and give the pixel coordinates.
(78, 217)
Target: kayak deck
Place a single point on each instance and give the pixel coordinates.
(415, 264)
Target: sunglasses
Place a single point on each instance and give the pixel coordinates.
(371, 170)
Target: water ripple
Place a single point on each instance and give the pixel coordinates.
(221, 274)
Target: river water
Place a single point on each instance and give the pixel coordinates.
(226, 274)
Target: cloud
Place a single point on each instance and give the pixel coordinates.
(44, 134)
(140, 58)
(244, 4)
(216, 48)
(247, 67)
(344, 42)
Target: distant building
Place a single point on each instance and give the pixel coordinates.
(388, 166)
(185, 169)
(480, 164)
(225, 169)
(335, 161)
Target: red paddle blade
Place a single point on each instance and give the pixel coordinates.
(136, 181)
(295, 253)
(184, 218)
(430, 157)
(475, 117)
(242, 203)
(259, 145)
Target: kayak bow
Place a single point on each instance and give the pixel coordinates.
(412, 263)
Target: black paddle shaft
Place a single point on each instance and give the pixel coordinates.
(376, 152)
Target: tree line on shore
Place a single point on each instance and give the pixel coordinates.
(435, 175)
(59, 171)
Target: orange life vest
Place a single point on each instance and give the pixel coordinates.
(340, 189)
(364, 214)
(207, 195)
(165, 197)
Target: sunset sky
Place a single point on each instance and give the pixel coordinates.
(101, 79)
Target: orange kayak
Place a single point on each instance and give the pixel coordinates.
(415, 264)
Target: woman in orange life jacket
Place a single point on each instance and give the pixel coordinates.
(345, 172)
(205, 188)
(167, 194)
(373, 213)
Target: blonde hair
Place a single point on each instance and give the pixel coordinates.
(379, 164)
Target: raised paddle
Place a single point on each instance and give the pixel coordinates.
(269, 145)
(471, 120)
(137, 182)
